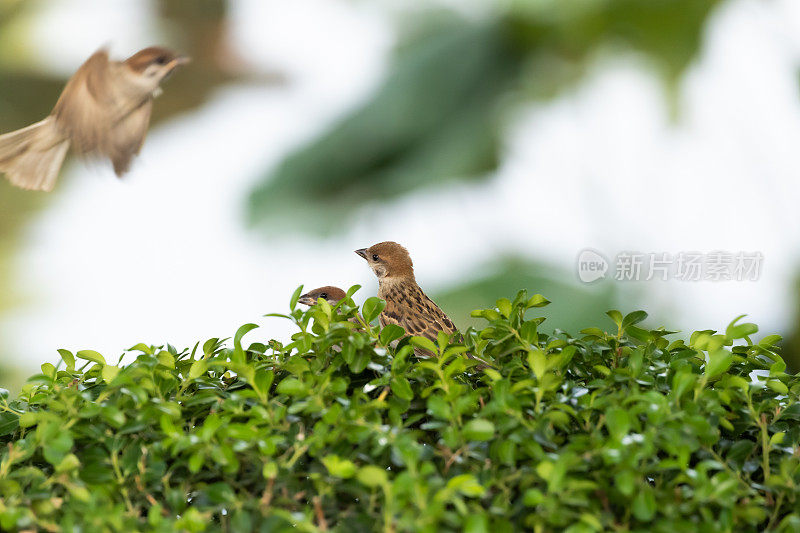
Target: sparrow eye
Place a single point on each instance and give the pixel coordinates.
(324, 295)
(160, 60)
(374, 257)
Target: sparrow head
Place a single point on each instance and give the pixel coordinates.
(332, 295)
(388, 260)
(155, 63)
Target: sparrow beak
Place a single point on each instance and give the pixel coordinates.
(178, 61)
(306, 300)
(362, 252)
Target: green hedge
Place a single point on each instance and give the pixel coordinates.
(620, 430)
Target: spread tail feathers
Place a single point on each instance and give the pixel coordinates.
(31, 157)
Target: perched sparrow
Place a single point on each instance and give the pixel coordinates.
(332, 295)
(406, 304)
(104, 111)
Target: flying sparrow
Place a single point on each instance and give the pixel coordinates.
(406, 303)
(104, 111)
(332, 295)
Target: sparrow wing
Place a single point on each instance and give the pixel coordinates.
(86, 108)
(127, 137)
(411, 309)
(434, 319)
(390, 315)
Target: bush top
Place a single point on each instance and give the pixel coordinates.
(336, 430)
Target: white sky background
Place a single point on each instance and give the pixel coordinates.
(163, 255)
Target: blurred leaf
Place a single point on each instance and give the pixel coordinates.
(479, 429)
(435, 118)
(439, 114)
(718, 362)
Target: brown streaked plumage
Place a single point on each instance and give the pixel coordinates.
(104, 111)
(332, 295)
(406, 303)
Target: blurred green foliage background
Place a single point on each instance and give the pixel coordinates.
(451, 87)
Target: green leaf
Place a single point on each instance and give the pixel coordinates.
(533, 497)
(478, 429)
(237, 341)
(390, 333)
(338, 467)
(372, 308)
(719, 361)
(208, 347)
(439, 407)
(352, 290)
(166, 359)
(740, 331)
(476, 523)
(295, 296)
(529, 331)
(504, 306)
(778, 367)
(442, 338)
(68, 359)
(467, 485)
(618, 422)
(220, 493)
(778, 386)
(91, 355)
(49, 370)
(424, 343)
(28, 419)
(682, 382)
(263, 381)
(769, 341)
(69, 463)
(633, 318)
(644, 504)
(291, 387)
(537, 300)
(196, 461)
(109, 373)
(616, 316)
(635, 362)
(624, 482)
(141, 347)
(57, 446)
(9, 422)
(739, 451)
(402, 388)
(360, 361)
(198, 368)
(372, 476)
(537, 362)
(269, 470)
